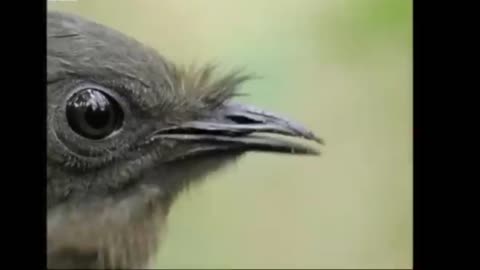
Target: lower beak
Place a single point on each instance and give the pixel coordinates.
(236, 126)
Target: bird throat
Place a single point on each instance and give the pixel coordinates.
(108, 233)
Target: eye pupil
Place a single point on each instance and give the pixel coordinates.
(97, 118)
(93, 114)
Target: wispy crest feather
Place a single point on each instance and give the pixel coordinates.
(204, 84)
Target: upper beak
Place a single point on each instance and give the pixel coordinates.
(234, 127)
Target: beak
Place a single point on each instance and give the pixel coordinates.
(237, 126)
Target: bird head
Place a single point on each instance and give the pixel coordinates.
(120, 114)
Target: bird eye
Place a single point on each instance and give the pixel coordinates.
(93, 114)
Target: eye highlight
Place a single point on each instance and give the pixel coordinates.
(94, 114)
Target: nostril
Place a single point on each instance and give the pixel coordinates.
(242, 119)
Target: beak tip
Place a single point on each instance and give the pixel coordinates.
(319, 140)
(315, 138)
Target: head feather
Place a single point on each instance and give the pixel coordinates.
(203, 86)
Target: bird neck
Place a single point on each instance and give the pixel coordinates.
(121, 232)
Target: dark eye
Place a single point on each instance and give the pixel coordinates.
(94, 114)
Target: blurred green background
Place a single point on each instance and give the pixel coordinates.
(343, 68)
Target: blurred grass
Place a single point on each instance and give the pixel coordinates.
(344, 68)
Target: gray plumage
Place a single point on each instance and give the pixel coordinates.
(110, 184)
